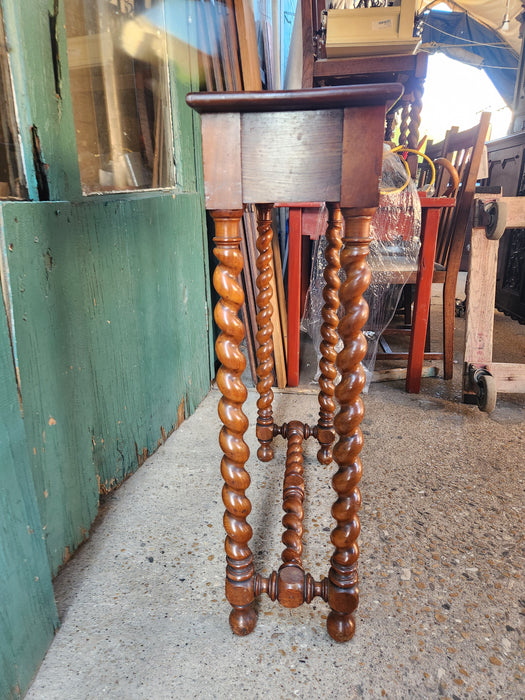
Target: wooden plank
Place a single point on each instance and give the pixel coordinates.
(363, 65)
(480, 295)
(390, 355)
(247, 35)
(304, 161)
(211, 26)
(515, 212)
(221, 156)
(307, 31)
(510, 378)
(281, 296)
(249, 312)
(362, 143)
(233, 44)
(250, 232)
(268, 64)
(276, 44)
(223, 44)
(277, 335)
(391, 375)
(204, 45)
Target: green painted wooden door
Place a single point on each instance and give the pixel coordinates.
(109, 309)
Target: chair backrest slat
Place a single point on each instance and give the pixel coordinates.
(464, 149)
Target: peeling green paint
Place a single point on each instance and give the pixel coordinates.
(28, 615)
(109, 341)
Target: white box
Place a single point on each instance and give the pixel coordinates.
(374, 30)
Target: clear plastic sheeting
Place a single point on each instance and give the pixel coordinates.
(395, 231)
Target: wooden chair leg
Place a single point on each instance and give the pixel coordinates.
(423, 294)
(343, 592)
(326, 432)
(407, 304)
(240, 573)
(449, 323)
(264, 428)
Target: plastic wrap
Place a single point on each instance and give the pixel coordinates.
(395, 231)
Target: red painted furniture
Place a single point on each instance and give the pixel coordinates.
(431, 212)
(302, 221)
(431, 208)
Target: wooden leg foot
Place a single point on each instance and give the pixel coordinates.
(340, 626)
(265, 453)
(243, 620)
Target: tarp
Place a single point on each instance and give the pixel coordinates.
(492, 13)
(463, 38)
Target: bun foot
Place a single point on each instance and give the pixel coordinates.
(243, 620)
(324, 455)
(265, 453)
(340, 626)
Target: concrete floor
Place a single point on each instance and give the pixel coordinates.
(442, 610)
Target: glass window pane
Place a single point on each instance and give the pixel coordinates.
(120, 95)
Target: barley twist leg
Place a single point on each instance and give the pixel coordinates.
(264, 429)
(293, 496)
(329, 334)
(415, 117)
(403, 127)
(343, 592)
(239, 560)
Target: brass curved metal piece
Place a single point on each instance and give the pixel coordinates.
(330, 337)
(264, 429)
(239, 560)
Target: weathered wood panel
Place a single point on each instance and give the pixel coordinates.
(28, 614)
(111, 310)
(35, 31)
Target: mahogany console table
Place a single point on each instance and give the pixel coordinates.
(322, 144)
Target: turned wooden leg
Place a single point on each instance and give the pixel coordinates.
(325, 430)
(264, 429)
(293, 496)
(403, 126)
(415, 116)
(343, 592)
(239, 560)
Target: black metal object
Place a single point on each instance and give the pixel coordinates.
(506, 168)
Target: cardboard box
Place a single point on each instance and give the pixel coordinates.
(371, 31)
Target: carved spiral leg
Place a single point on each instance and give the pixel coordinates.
(343, 592)
(389, 128)
(329, 334)
(293, 496)
(239, 560)
(415, 117)
(403, 127)
(264, 429)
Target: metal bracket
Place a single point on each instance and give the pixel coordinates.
(492, 216)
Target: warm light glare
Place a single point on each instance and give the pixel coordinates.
(455, 95)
